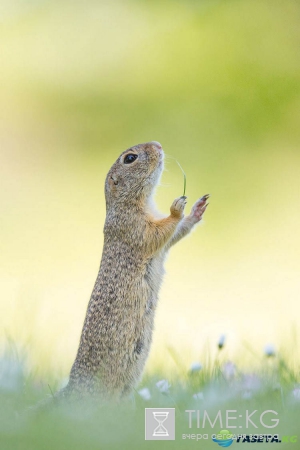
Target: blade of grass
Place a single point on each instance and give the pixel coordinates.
(184, 177)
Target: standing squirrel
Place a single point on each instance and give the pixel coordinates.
(117, 331)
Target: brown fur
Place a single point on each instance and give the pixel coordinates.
(117, 330)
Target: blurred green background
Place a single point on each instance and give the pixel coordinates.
(218, 84)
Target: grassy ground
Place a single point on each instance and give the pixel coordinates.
(218, 385)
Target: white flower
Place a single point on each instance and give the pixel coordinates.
(163, 386)
(221, 341)
(195, 367)
(198, 396)
(11, 374)
(247, 395)
(145, 393)
(251, 382)
(229, 370)
(296, 393)
(63, 383)
(270, 350)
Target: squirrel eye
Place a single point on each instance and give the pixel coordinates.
(130, 158)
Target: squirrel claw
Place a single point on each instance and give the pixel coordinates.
(177, 207)
(199, 208)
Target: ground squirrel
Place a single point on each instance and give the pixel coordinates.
(117, 330)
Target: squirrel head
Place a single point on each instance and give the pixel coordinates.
(134, 175)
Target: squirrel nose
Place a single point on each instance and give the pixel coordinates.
(157, 144)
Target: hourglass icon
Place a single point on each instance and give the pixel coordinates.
(160, 417)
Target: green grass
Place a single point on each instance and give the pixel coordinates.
(222, 385)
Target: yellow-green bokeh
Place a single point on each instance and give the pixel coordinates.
(218, 84)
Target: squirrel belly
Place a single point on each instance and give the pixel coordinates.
(117, 331)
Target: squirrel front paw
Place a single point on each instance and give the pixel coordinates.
(199, 208)
(177, 207)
